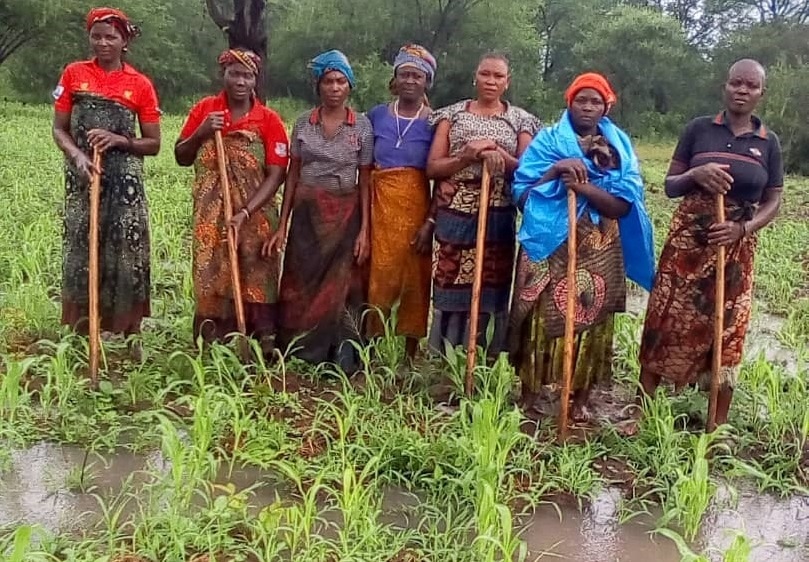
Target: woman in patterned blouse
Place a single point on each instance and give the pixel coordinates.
(469, 133)
(327, 194)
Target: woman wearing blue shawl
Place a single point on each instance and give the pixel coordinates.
(587, 153)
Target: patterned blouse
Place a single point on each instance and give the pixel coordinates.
(466, 126)
(332, 163)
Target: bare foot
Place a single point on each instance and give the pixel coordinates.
(580, 413)
(136, 351)
(629, 427)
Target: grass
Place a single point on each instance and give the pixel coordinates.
(331, 447)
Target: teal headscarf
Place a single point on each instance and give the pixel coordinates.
(331, 60)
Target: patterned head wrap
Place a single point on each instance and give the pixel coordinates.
(418, 57)
(331, 60)
(595, 81)
(115, 18)
(241, 56)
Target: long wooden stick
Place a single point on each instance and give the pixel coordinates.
(718, 320)
(232, 249)
(94, 331)
(570, 314)
(477, 282)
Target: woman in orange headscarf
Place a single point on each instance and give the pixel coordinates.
(257, 148)
(584, 152)
(98, 104)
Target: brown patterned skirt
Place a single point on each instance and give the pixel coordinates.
(215, 314)
(536, 331)
(677, 338)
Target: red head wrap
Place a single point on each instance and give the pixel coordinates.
(241, 56)
(114, 17)
(595, 81)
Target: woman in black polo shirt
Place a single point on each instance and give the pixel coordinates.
(732, 153)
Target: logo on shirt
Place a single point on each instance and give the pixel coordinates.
(84, 86)
(57, 93)
(281, 149)
(353, 141)
(128, 94)
(755, 152)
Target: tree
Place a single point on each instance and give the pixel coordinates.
(15, 30)
(244, 22)
(796, 11)
(646, 56)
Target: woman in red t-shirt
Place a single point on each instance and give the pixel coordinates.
(257, 147)
(98, 103)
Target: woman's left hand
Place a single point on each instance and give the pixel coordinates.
(494, 160)
(362, 247)
(571, 180)
(104, 140)
(725, 233)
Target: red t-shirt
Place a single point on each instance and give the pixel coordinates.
(127, 86)
(260, 119)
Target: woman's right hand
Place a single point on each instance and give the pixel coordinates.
(574, 169)
(712, 177)
(84, 165)
(276, 244)
(472, 150)
(215, 121)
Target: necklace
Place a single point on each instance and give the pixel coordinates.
(401, 134)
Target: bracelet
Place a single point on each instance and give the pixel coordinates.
(245, 211)
(431, 220)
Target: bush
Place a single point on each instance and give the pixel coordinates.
(784, 112)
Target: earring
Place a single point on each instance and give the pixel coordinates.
(474, 82)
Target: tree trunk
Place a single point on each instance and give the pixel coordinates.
(244, 23)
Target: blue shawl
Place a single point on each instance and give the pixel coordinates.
(544, 225)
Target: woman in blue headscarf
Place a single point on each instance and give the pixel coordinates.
(327, 237)
(587, 153)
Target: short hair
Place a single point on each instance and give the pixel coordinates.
(495, 55)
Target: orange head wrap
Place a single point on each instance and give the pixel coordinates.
(114, 17)
(595, 81)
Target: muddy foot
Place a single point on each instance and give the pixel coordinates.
(581, 414)
(630, 425)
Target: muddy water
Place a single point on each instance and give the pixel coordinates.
(34, 490)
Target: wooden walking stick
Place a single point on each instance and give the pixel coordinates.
(232, 249)
(570, 314)
(94, 330)
(718, 320)
(477, 282)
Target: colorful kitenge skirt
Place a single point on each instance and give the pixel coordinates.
(678, 333)
(454, 259)
(399, 276)
(215, 314)
(322, 288)
(124, 268)
(537, 322)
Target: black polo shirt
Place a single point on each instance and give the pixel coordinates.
(754, 158)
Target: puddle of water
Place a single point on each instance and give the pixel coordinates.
(33, 490)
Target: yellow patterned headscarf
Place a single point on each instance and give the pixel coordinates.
(241, 56)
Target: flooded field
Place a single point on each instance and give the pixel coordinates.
(197, 457)
(60, 488)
